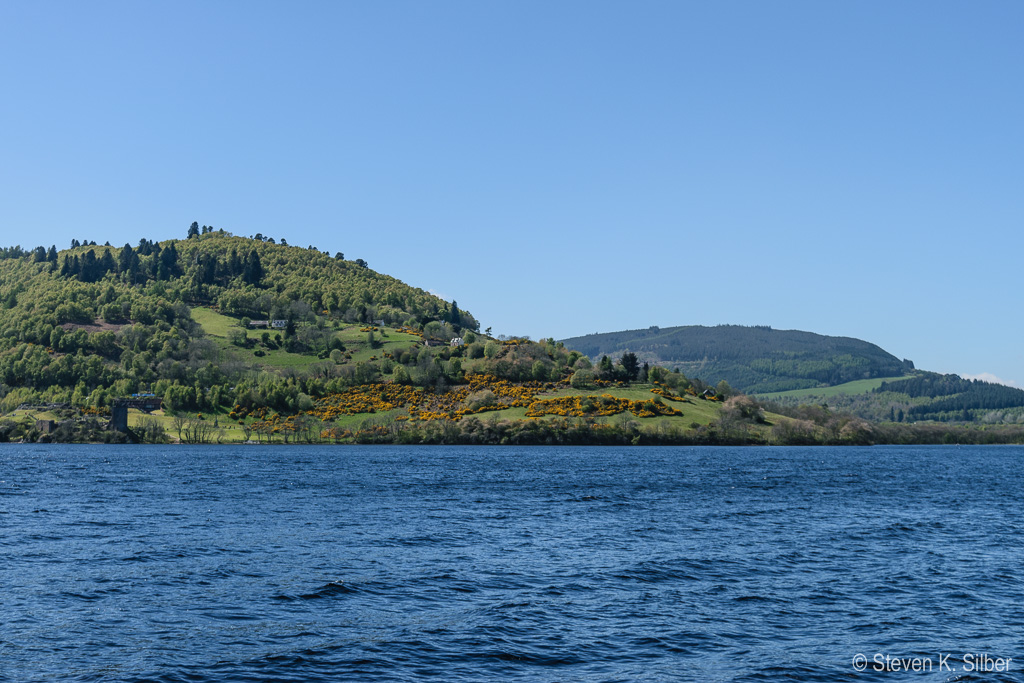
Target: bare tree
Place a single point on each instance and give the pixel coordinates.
(180, 422)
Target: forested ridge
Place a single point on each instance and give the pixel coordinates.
(950, 397)
(751, 359)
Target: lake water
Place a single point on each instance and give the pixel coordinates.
(510, 564)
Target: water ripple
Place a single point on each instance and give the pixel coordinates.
(512, 564)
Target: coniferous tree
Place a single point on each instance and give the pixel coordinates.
(169, 267)
(207, 270)
(124, 258)
(630, 364)
(253, 268)
(154, 263)
(89, 268)
(235, 265)
(106, 263)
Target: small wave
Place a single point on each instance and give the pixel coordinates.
(656, 576)
(139, 557)
(757, 598)
(92, 596)
(679, 570)
(328, 590)
(81, 596)
(901, 527)
(793, 673)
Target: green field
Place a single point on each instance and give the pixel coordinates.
(215, 324)
(218, 327)
(694, 411)
(861, 386)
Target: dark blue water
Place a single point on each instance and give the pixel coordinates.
(506, 564)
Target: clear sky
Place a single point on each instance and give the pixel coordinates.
(558, 168)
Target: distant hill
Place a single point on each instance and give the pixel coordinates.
(751, 359)
(922, 397)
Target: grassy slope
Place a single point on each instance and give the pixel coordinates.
(217, 327)
(215, 324)
(862, 386)
(693, 409)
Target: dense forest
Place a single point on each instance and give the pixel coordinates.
(952, 398)
(750, 359)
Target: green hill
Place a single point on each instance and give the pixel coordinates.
(920, 397)
(751, 359)
(249, 339)
(91, 323)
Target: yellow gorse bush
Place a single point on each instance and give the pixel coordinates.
(605, 405)
(666, 393)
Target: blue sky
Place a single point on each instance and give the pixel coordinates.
(559, 168)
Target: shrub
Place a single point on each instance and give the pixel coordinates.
(481, 399)
(581, 379)
(237, 337)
